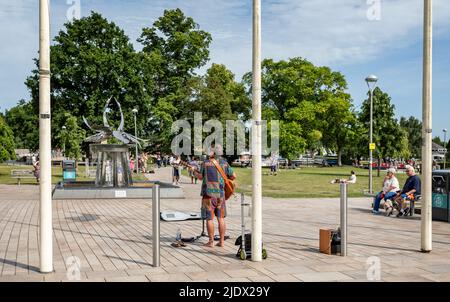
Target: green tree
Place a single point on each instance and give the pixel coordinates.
(339, 124)
(178, 48)
(387, 134)
(72, 137)
(437, 140)
(413, 128)
(92, 60)
(220, 96)
(24, 123)
(7, 139)
(298, 93)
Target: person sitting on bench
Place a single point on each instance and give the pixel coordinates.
(411, 190)
(37, 170)
(390, 189)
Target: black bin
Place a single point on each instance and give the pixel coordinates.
(440, 195)
(69, 170)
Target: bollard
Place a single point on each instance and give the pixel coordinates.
(155, 224)
(343, 187)
(243, 220)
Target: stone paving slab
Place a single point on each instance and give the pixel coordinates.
(112, 240)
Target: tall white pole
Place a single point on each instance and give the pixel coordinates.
(45, 160)
(426, 223)
(256, 136)
(371, 141)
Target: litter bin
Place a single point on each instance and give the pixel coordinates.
(440, 195)
(69, 170)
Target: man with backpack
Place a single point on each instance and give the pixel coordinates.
(216, 175)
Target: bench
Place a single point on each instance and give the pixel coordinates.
(412, 202)
(20, 174)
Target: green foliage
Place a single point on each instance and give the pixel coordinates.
(311, 103)
(413, 128)
(387, 134)
(71, 138)
(220, 97)
(437, 140)
(24, 123)
(7, 139)
(177, 47)
(92, 60)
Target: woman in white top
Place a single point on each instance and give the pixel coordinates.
(390, 188)
(175, 163)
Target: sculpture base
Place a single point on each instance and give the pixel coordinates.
(139, 190)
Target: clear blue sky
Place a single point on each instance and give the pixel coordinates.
(339, 34)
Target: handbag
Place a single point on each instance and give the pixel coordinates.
(230, 186)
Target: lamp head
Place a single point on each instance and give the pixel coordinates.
(371, 81)
(445, 130)
(134, 110)
(63, 127)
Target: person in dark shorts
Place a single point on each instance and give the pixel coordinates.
(409, 193)
(175, 163)
(213, 193)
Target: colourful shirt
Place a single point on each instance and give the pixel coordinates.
(213, 183)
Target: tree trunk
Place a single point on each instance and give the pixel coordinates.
(379, 164)
(339, 157)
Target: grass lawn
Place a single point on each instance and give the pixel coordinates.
(5, 174)
(311, 182)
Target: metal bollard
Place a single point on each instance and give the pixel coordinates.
(343, 187)
(242, 221)
(155, 225)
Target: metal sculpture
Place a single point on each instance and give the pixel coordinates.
(105, 132)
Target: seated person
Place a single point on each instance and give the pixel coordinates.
(352, 179)
(390, 188)
(409, 193)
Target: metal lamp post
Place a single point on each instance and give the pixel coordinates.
(445, 146)
(135, 111)
(371, 83)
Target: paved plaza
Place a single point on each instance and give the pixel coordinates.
(113, 241)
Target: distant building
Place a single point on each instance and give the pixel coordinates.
(438, 152)
(21, 153)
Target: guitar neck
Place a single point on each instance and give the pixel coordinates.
(185, 164)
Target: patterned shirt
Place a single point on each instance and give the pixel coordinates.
(213, 183)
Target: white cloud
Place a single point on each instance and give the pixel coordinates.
(324, 31)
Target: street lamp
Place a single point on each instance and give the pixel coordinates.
(371, 83)
(64, 141)
(445, 146)
(135, 111)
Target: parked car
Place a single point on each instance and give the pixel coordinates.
(241, 163)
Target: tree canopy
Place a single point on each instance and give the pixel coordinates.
(387, 134)
(7, 139)
(310, 101)
(92, 59)
(24, 123)
(413, 128)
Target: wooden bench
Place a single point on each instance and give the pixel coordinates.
(20, 174)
